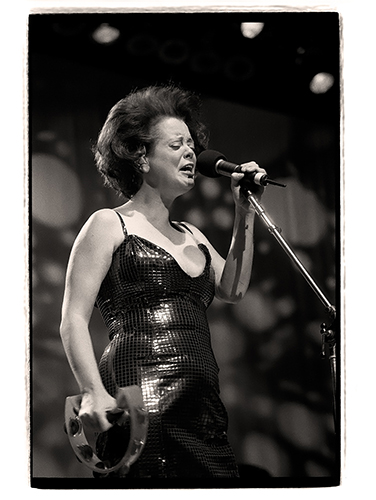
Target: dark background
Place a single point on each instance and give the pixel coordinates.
(258, 106)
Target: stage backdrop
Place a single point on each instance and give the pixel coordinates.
(275, 385)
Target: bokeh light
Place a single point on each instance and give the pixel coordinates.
(251, 30)
(297, 211)
(105, 34)
(264, 452)
(256, 311)
(210, 188)
(142, 45)
(321, 83)
(300, 426)
(56, 192)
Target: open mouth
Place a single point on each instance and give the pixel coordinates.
(189, 170)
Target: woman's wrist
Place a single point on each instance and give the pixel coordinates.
(93, 389)
(248, 212)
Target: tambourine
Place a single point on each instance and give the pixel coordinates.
(135, 414)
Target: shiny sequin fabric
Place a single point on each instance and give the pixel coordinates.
(160, 340)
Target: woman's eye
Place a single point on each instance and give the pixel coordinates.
(179, 145)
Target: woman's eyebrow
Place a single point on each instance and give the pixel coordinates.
(181, 137)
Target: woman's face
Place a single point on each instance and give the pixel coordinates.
(172, 159)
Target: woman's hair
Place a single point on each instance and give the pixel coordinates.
(126, 134)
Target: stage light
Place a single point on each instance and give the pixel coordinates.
(321, 83)
(105, 34)
(251, 30)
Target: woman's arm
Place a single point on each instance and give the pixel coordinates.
(236, 273)
(233, 274)
(89, 262)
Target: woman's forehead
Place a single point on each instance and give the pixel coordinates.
(172, 127)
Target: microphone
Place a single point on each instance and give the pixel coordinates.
(214, 164)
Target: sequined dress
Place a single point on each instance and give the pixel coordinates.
(160, 340)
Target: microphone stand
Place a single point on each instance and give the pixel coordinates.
(327, 332)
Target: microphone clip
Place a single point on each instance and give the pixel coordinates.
(247, 184)
(254, 182)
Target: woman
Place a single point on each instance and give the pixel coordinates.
(152, 280)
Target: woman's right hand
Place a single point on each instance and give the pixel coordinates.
(95, 408)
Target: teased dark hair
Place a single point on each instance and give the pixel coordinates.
(125, 136)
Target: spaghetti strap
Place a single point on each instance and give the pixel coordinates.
(187, 228)
(122, 223)
(184, 225)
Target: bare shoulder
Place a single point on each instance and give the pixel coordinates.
(103, 226)
(91, 258)
(104, 216)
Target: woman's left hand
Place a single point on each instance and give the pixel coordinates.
(239, 194)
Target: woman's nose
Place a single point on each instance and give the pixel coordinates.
(189, 152)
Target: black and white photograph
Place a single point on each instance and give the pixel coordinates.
(185, 256)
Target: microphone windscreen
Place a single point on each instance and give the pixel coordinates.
(206, 162)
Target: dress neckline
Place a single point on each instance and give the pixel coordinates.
(201, 246)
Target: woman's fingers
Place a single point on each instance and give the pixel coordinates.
(246, 169)
(252, 166)
(236, 177)
(239, 181)
(94, 422)
(93, 412)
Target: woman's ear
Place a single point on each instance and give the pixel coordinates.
(143, 164)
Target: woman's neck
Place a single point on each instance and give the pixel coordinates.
(151, 205)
